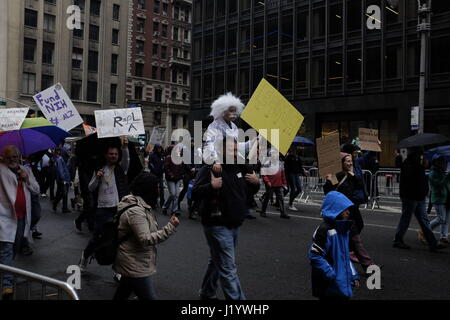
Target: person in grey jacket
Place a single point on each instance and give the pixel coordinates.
(138, 235)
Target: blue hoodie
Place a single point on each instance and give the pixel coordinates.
(332, 271)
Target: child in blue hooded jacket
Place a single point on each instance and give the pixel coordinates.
(333, 274)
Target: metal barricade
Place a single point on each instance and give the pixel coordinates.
(30, 277)
(386, 185)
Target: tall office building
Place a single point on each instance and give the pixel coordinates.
(158, 74)
(340, 65)
(38, 50)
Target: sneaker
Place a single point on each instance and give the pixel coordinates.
(36, 235)
(7, 294)
(421, 237)
(292, 208)
(401, 245)
(117, 277)
(83, 262)
(26, 251)
(78, 226)
(43, 195)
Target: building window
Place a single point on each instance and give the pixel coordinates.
(139, 69)
(155, 49)
(113, 94)
(165, 8)
(50, 1)
(185, 78)
(141, 4)
(174, 76)
(155, 28)
(28, 83)
(115, 36)
(46, 81)
(154, 72)
(77, 58)
(116, 11)
(93, 61)
(173, 96)
(336, 17)
(335, 69)
(49, 23)
(354, 63)
(156, 4)
(394, 62)
(354, 15)
(31, 18)
(198, 11)
(176, 13)
(184, 96)
(157, 117)
(80, 4)
(163, 74)
(140, 47)
(95, 7)
(75, 90)
(318, 72)
(79, 33)
(158, 95)
(164, 30)
(174, 121)
(94, 32)
(175, 52)
(114, 63)
(373, 63)
(175, 33)
(140, 25)
(92, 91)
(186, 35)
(163, 52)
(29, 50)
(138, 92)
(47, 52)
(318, 23)
(440, 62)
(185, 120)
(186, 54)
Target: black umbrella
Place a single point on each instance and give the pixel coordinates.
(422, 139)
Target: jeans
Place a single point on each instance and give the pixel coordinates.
(9, 250)
(443, 216)
(102, 216)
(174, 191)
(142, 287)
(279, 195)
(222, 242)
(61, 193)
(295, 186)
(410, 207)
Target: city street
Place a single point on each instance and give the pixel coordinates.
(272, 258)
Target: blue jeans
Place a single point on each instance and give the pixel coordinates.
(443, 216)
(102, 216)
(295, 186)
(142, 287)
(174, 191)
(9, 250)
(410, 207)
(222, 242)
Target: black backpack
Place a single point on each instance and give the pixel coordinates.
(108, 242)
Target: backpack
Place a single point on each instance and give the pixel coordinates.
(108, 242)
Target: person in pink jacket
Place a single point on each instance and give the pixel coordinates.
(275, 183)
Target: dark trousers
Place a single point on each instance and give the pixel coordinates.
(186, 179)
(61, 194)
(88, 212)
(102, 216)
(360, 252)
(279, 195)
(161, 191)
(295, 186)
(49, 178)
(142, 287)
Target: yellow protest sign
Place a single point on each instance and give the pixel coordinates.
(268, 110)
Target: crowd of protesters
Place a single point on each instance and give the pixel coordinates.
(221, 194)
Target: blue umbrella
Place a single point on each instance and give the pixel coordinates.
(302, 140)
(443, 150)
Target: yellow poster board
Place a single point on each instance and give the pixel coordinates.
(267, 109)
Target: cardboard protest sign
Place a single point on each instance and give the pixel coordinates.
(12, 118)
(57, 107)
(329, 156)
(119, 122)
(368, 140)
(88, 130)
(268, 109)
(157, 137)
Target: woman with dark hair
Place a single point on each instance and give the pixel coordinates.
(138, 235)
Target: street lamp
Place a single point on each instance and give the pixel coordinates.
(423, 27)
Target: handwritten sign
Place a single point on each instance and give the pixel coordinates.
(57, 107)
(157, 137)
(119, 122)
(12, 118)
(329, 156)
(268, 109)
(368, 140)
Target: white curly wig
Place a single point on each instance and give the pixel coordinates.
(223, 103)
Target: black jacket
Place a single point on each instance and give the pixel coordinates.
(293, 164)
(121, 180)
(231, 199)
(156, 163)
(413, 181)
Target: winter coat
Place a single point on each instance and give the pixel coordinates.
(440, 185)
(332, 271)
(231, 200)
(174, 172)
(276, 180)
(62, 171)
(136, 256)
(293, 165)
(8, 194)
(413, 181)
(156, 162)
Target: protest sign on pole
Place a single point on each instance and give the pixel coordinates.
(12, 118)
(119, 122)
(57, 107)
(268, 109)
(157, 137)
(368, 140)
(329, 156)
